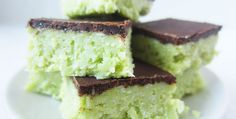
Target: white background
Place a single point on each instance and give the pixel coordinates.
(14, 15)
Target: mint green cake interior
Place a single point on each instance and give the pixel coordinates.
(174, 58)
(45, 83)
(188, 83)
(184, 61)
(80, 53)
(131, 9)
(153, 101)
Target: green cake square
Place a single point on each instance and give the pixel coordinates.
(177, 46)
(80, 48)
(131, 9)
(148, 95)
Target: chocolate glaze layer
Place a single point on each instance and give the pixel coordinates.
(102, 17)
(107, 27)
(176, 31)
(144, 74)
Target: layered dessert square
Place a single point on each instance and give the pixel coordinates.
(148, 95)
(80, 48)
(177, 46)
(131, 9)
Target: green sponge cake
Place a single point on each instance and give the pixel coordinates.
(148, 95)
(80, 48)
(176, 46)
(190, 82)
(45, 83)
(131, 9)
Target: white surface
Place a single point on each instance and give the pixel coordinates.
(13, 37)
(24, 105)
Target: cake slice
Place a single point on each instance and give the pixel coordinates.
(131, 9)
(177, 46)
(80, 48)
(148, 95)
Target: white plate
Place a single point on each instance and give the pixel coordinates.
(24, 105)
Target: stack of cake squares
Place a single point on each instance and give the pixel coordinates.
(103, 63)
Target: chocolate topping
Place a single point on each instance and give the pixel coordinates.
(176, 31)
(107, 27)
(144, 74)
(101, 17)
